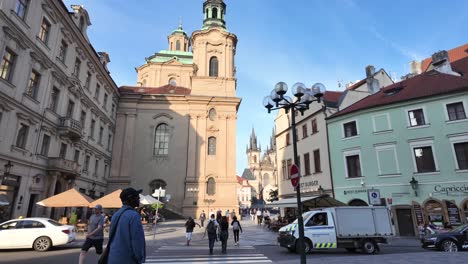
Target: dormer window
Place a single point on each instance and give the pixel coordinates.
(214, 67)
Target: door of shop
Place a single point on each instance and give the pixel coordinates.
(405, 222)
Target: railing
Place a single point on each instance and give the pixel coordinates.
(70, 126)
(64, 165)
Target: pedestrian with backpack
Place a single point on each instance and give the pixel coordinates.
(189, 226)
(236, 227)
(211, 230)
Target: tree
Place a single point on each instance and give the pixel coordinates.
(273, 195)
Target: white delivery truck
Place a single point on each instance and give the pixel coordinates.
(352, 227)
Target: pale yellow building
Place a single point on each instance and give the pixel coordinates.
(177, 128)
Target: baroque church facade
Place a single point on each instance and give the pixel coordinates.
(176, 129)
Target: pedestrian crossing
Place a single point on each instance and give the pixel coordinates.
(199, 254)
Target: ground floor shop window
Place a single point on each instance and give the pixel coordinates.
(435, 212)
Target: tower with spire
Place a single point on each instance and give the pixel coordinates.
(178, 39)
(253, 151)
(214, 11)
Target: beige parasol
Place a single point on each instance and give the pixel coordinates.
(112, 200)
(70, 198)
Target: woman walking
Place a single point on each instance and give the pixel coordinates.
(224, 225)
(236, 227)
(189, 226)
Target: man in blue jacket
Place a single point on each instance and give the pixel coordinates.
(128, 245)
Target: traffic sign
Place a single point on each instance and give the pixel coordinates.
(295, 175)
(374, 196)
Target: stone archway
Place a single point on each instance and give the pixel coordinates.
(435, 211)
(357, 202)
(156, 184)
(464, 210)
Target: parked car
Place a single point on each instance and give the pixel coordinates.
(351, 228)
(451, 241)
(37, 233)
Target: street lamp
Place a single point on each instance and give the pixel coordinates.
(321, 190)
(303, 98)
(414, 186)
(6, 171)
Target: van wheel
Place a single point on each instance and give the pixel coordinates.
(307, 246)
(369, 246)
(42, 244)
(351, 250)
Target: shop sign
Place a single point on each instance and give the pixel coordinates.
(453, 213)
(11, 180)
(345, 192)
(418, 212)
(454, 189)
(309, 184)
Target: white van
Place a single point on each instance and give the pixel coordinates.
(351, 227)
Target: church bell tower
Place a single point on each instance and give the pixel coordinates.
(214, 11)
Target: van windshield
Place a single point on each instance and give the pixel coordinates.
(304, 216)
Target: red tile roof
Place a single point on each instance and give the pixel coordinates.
(427, 84)
(332, 96)
(454, 55)
(166, 89)
(461, 66)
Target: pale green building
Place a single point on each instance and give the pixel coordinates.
(406, 146)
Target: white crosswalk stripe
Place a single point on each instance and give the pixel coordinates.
(199, 255)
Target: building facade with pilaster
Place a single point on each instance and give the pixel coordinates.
(58, 106)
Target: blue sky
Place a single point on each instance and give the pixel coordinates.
(291, 41)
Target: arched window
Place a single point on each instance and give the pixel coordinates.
(161, 140)
(214, 13)
(177, 45)
(81, 23)
(173, 82)
(214, 67)
(156, 184)
(211, 146)
(211, 186)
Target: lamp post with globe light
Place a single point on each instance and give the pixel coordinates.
(303, 97)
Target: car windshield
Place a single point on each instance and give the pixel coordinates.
(304, 216)
(55, 223)
(459, 228)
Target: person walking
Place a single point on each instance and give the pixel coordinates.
(259, 216)
(202, 217)
(236, 227)
(189, 226)
(224, 234)
(126, 237)
(95, 236)
(211, 230)
(252, 215)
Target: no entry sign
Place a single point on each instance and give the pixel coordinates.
(295, 175)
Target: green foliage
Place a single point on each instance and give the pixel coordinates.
(156, 206)
(73, 217)
(273, 195)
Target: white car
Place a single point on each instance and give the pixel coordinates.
(37, 233)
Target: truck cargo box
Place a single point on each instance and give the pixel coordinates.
(362, 221)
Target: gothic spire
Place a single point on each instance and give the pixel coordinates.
(253, 141)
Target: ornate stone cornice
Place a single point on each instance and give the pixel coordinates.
(5, 107)
(10, 34)
(27, 118)
(49, 130)
(59, 77)
(44, 62)
(91, 66)
(66, 35)
(50, 12)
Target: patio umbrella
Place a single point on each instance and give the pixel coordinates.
(112, 200)
(70, 198)
(148, 199)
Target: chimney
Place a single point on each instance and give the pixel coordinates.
(372, 83)
(415, 67)
(441, 63)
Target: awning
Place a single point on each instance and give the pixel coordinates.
(310, 202)
(112, 200)
(70, 198)
(148, 199)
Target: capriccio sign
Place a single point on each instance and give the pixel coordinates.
(452, 189)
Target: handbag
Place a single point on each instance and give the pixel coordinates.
(103, 259)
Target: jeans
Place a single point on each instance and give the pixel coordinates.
(224, 237)
(236, 235)
(211, 241)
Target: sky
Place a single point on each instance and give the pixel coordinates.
(305, 41)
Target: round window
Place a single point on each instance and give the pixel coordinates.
(172, 82)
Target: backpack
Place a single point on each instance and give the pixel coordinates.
(235, 225)
(211, 228)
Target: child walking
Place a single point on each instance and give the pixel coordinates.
(189, 226)
(236, 227)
